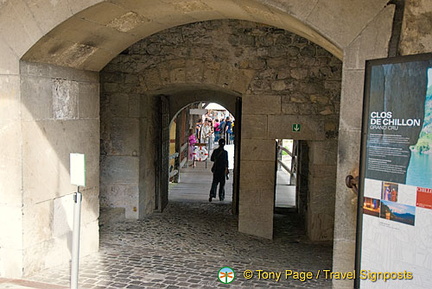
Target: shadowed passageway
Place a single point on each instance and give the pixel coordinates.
(187, 244)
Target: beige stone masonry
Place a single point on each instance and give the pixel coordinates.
(65, 33)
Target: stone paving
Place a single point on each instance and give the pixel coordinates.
(186, 245)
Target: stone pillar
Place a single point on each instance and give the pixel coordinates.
(257, 186)
(120, 119)
(322, 175)
(258, 166)
(10, 174)
(60, 115)
(378, 32)
(148, 155)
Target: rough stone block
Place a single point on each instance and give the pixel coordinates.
(125, 136)
(152, 79)
(322, 195)
(225, 75)
(194, 70)
(134, 105)
(250, 198)
(259, 150)
(210, 76)
(10, 164)
(178, 75)
(256, 221)
(111, 215)
(122, 196)
(119, 104)
(262, 104)
(323, 152)
(10, 99)
(352, 99)
(320, 226)
(46, 153)
(257, 126)
(326, 172)
(38, 223)
(89, 100)
(120, 170)
(258, 175)
(241, 80)
(37, 100)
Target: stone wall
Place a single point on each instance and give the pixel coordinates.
(283, 79)
(60, 115)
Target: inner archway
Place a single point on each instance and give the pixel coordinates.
(195, 132)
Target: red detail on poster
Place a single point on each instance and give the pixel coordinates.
(424, 198)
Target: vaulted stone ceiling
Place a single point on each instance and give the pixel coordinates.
(91, 38)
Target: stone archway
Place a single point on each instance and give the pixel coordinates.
(70, 35)
(218, 60)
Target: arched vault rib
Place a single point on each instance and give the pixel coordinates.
(93, 37)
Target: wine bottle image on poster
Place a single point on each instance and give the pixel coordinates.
(394, 230)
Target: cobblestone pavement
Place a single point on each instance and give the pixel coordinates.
(186, 245)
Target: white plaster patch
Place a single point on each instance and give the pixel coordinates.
(65, 93)
(191, 6)
(127, 22)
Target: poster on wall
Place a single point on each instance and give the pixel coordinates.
(394, 234)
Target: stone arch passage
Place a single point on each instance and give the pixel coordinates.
(129, 138)
(183, 121)
(86, 35)
(296, 82)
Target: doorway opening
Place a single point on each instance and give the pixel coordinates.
(286, 174)
(194, 135)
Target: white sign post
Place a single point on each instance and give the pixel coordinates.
(77, 173)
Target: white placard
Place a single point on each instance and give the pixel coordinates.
(77, 169)
(199, 111)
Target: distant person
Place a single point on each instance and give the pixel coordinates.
(192, 141)
(216, 128)
(206, 132)
(228, 130)
(198, 127)
(222, 128)
(219, 170)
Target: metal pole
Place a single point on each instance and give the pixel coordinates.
(76, 239)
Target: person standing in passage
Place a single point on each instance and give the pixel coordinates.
(219, 170)
(192, 141)
(216, 128)
(228, 130)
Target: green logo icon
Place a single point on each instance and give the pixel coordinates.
(296, 127)
(226, 275)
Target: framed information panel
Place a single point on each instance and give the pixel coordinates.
(394, 233)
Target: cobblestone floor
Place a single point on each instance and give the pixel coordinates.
(186, 245)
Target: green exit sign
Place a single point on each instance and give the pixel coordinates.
(296, 127)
